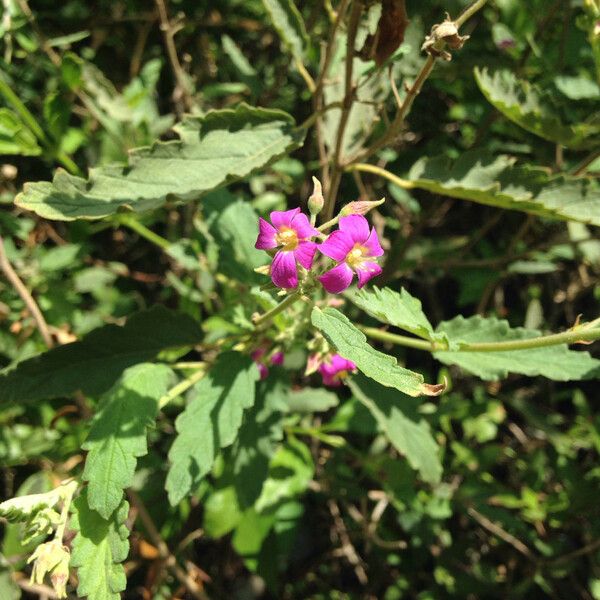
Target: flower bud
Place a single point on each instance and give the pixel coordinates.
(316, 200)
(360, 207)
(51, 558)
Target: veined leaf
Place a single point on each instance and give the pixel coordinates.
(255, 443)
(352, 344)
(399, 309)
(118, 433)
(288, 22)
(213, 150)
(96, 362)
(99, 548)
(527, 106)
(495, 181)
(210, 421)
(397, 416)
(555, 362)
(15, 136)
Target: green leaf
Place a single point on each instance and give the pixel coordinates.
(288, 22)
(397, 416)
(555, 362)
(399, 309)
(308, 400)
(99, 548)
(212, 151)
(352, 345)
(15, 136)
(96, 362)
(255, 443)
(496, 181)
(118, 433)
(210, 421)
(530, 108)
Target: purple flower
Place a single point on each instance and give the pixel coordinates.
(354, 247)
(291, 232)
(258, 355)
(336, 370)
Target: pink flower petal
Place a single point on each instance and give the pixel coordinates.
(356, 226)
(339, 363)
(337, 245)
(301, 225)
(266, 235)
(283, 270)
(283, 218)
(277, 358)
(372, 244)
(263, 370)
(337, 279)
(367, 271)
(305, 253)
(257, 354)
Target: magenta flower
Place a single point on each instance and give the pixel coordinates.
(336, 370)
(354, 247)
(258, 355)
(291, 232)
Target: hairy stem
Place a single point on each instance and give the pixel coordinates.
(270, 314)
(132, 223)
(580, 335)
(181, 387)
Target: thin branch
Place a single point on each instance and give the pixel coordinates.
(581, 168)
(336, 168)
(30, 303)
(163, 550)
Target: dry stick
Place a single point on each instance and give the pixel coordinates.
(27, 298)
(169, 33)
(336, 174)
(163, 550)
(501, 533)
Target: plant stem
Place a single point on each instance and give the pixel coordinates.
(579, 335)
(310, 82)
(181, 387)
(270, 314)
(581, 167)
(21, 289)
(336, 167)
(403, 183)
(469, 12)
(132, 223)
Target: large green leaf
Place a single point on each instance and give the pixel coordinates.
(555, 362)
(352, 344)
(99, 548)
(288, 22)
(212, 151)
(96, 362)
(15, 136)
(397, 416)
(210, 421)
(496, 181)
(118, 433)
(399, 309)
(532, 109)
(255, 444)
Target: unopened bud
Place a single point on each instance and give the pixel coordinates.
(360, 207)
(316, 200)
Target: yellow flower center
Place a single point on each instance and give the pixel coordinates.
(356, 256)
(287, 238)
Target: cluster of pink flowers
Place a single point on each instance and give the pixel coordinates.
(354, 247)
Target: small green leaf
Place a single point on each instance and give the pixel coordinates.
(118, 433)
(398, 418)
(496, 181)
(212, 151)
(210, 421)
(399, 309)
(352, 344)
(99, 548)
(555, 362)
(96, 362)
(308, 400)
(288, 22)
(15, 136)
(530, 108)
